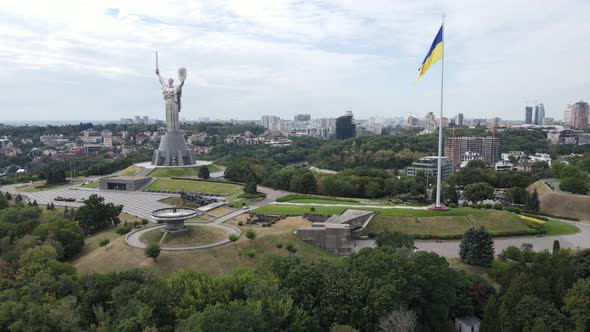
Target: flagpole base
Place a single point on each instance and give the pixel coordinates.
(442, 207)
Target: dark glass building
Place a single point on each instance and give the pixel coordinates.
(345, 126)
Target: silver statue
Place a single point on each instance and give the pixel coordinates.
(172, 96)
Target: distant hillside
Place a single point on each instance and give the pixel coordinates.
(562, 204)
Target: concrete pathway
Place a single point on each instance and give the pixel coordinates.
(133, 238)
(450, 248)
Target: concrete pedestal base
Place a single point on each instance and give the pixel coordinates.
(173, 151)
(442, 207)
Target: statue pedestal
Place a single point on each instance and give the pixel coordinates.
(173, 151)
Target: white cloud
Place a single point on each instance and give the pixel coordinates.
(246, 58)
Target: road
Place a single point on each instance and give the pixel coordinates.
(450, 249)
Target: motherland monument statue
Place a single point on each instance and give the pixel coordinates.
(173, 150)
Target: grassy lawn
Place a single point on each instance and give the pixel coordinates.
(215, 261)
(293, 210)
(442, 226)
(151, 236)
(91, 185)
(167, 172)
(559, 228)
(295, 198)
(35, 187)
(220, 211)
(195, 186)
(130, 171)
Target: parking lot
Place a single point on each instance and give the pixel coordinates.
(139, 204)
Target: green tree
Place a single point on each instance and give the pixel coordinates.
(233, 238)
(303, 181)
(279, 246)
(8, 196)
(291, 248)
(3, 202)
(450, 192)
(67, 232)
(532, 203)
(477, 247)
(18, 199)
(577, 303)
(516, 195)
(395, 239)
(540, 326)
(250, 234)
(233, 316)
(95, 215)
(581, 264)
(477, 192)
(153, 250)
(204, 172)
(556, 246)
(250, 186)
(574, 184)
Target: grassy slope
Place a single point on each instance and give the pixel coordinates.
(164, 172)
(279, 209)
(130, 171)
(195, 186)
(194, 235)
(215, 261)
(42, 186)
(562, 204)
(92, 184)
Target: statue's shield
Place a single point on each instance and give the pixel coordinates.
(181, 74)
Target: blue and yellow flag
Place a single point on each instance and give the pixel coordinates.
(434, 54)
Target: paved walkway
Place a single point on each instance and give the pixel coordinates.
(133, 237)
(450, 248)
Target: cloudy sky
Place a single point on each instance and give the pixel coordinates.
(94, 60)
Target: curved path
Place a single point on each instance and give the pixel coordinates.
(450, 248)
(133, 238)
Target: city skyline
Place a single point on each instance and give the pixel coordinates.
(95, 61)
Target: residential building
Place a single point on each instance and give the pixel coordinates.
(541, 157)
(580, 115)
(430, 122)
(5, 145)
(302, 118)
(549, 121)
(566, 136)
(53, 139)
(470, 156)
(517, 155)
(491, 150)
(504, 166)
(429, 165)
(567, 115)
(345, 126)
(270, 122)
(487, 147)
(528, 115)
(361, 131)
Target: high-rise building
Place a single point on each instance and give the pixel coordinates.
(487, 147)
(459, 119)
(345, 126)
(539, 114)
(270, 122)
(580, 115)
(567, 115)
(430, 122)
(528, 117)
(302, 118)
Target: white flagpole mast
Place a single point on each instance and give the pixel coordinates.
(440, 131)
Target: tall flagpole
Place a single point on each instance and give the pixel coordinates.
(440, 130)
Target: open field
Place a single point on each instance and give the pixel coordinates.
(215, 261)
(195, 186)
(167, 172)
(562, 204)
(298, 210)
(130, 171)
(294, 198)
(194, 235)
(499, 223)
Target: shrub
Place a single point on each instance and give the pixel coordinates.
(452, 205)
(144, 221)
(498, 206)
(153, 250)
(250, 234)
(251, 253)
(121, 230)
(498, 269)
(513, 209)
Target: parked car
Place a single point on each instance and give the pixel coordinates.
(81, 200)
(69, 199)
(59, 198)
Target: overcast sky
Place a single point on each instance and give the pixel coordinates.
(94, 60)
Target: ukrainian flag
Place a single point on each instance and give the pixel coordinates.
(434, 54)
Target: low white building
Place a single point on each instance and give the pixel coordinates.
(515, 154)
(541, 157)
(469, 156)
(504, 166)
